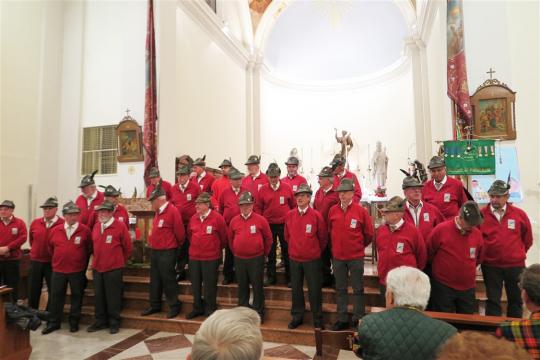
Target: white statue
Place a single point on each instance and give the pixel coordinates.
(379, 163)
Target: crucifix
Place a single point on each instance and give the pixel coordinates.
(127, 111)
(490, 72)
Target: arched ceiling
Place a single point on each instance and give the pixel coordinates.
(329, 40)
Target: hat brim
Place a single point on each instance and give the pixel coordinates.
(412, 186)
(343, 189)
(48, 206)
(72, 211)
(246, 202)
(497, 193)
(431, 167)
(7, 206)
(303, 192)
(391, 210)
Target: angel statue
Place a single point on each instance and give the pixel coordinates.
(345, 141)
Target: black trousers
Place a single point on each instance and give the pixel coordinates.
(494, 277)
(229, 265)
(446, 299)
(183, 254)
(204, 276)
(311, 271)
(250, 272)
(278, 235)
(163, 278)
(108, 296)
(326, 260)
(9, 275)
(57, 296)
(36, 273)
(343, 270)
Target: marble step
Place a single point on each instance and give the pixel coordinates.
(273, 330)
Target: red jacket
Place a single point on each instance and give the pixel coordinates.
(38, 237)
(324, 201)
(120, 213)
(275, 204)
(448, 200)
(403, 247)
(428, 218)
(228, 203)
(454, 256)
(112, 248)
(205, 183)
(350, 231)
(167, 229)
(12, 235)
(254, 185)
(250, 238)
(357, 189)
(208, 237)
(164, 184)
(87, 210)
(185, 201)
(294, 182)
(70, 255)
(219, 185)
(506, 243)
(306, 235)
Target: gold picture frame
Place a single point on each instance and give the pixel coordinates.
(129, 140)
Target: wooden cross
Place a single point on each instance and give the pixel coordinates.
(127, 111)
(491, 72)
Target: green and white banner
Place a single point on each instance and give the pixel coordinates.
(470, 157)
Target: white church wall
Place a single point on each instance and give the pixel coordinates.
(306, 119)
(504, 36)
(203, 97)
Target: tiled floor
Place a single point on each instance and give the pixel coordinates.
(131, 344)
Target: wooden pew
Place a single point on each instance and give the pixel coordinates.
(14, 342)
(328, 343)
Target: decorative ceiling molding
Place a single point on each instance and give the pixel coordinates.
(203, 15)
(398, 68)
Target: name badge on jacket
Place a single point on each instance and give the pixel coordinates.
(472, 253)
(399, 248)
(161, 222)
(209, 229)
(108, 240)
(294, 188)
(78, 240)
(353, 223)
(253, 229)
(446, 197)
(511, 224)
(281, 200)
(188, 197)
(14, 231)
(308, 228)
(426, 217)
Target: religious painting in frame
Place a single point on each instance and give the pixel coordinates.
(493, 106)
(129, 140)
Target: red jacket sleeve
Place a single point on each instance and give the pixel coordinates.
(421, 251)
(357, 190)
(369, 230)
(222, 231)
(292, 200)
(267, 237)
(178, 228)
(126, 243)
(21, 236)
(92, 215)
(526, 233)
(286, 229)
(432, 244)
(322, 232)
(89, 242)
(221, 206)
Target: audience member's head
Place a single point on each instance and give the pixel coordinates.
(470, 345)
(231, 334)
(530, 287)
(407, 286)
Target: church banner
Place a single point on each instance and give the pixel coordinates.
(470, 157)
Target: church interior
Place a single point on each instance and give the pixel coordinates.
(107, 91)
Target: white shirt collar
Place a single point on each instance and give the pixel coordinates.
(276, 188)
(493, 209)
(203, 174)
(162, 207)
(109, 222)
(92, 197)
(411, 206)
(73, 227)
(397, 225)
(302, 212)
(183, 187)
(256, 175)
(327, 189)
(343, 173)
(345, 206)
(52, 221)
(235, 190)
(8, 220)
(246, 217)
(204, 216)
(443, 181)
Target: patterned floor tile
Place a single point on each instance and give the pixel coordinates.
(286, 352)
(167, 343)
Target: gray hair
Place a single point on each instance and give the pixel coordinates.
(409, 286)
(530, 282)
(231, 334)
